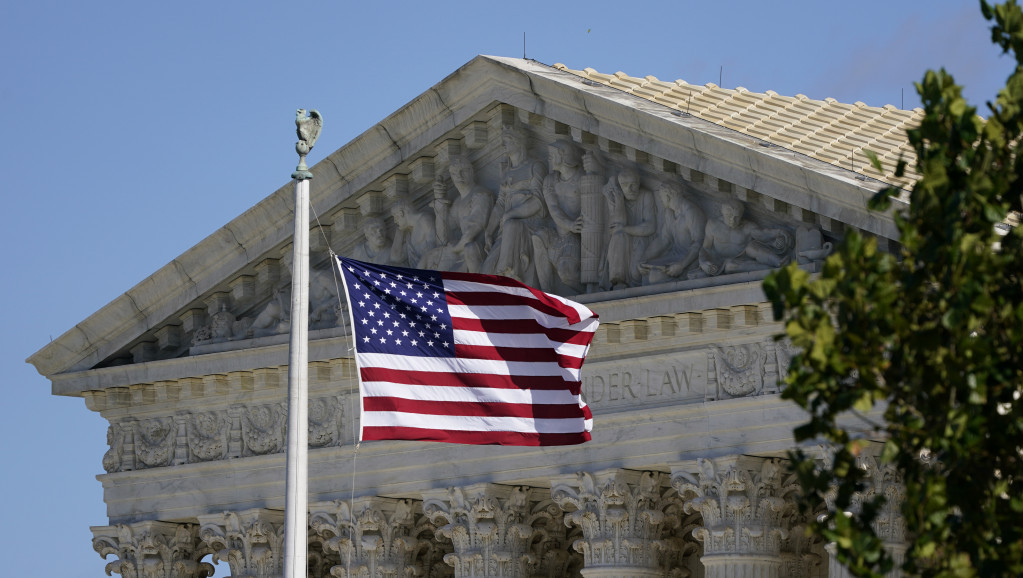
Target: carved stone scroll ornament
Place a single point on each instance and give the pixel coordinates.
(740, 369)
(151, 550)
(325, 415)
(747, 505)
(264, 428)
(207, 436)
(251, 541)
(623, 518)
(378, 540)
(113, 458)
(154, 442)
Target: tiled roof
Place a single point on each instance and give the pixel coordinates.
(828, 130)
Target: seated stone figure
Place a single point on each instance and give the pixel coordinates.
(460, 223)
(415, 235)
(734, 245)
(680, 231)
(633, 222)
(556, 246)
(518, 211)
(375, 249)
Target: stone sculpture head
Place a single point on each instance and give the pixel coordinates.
(462, 173)
(670, 195)
(404, 214)
(563, 154)
(513, 139)
(374, 230)
(731, 212)
(629, 180)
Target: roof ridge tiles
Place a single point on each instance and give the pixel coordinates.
(822, 129)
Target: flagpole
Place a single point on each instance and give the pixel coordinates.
(296, 486)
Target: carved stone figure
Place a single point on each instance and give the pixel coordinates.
(518, 211)
(734, 245)
(263, 429)
(461, 222)
(376, 248)
(740, 368)
(810, 245)
(557, 248)
(416, 234)
(274, 318)
(154, 442)
(633, 221)
(207, 436)
(680, 234)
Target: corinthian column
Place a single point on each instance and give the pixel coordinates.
(376, 541)
(889, 525)
(251, 541)
(624, 516)
(492, 528)
(746, 503)
(151, 550)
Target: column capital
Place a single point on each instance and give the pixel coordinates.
(624, 516)
(374, 536)
(151, 549)
(746, 503)
(492, 527)
(250, 541)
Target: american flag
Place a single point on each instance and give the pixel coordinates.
(466, 358)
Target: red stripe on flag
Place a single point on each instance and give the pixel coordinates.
(474, 409)
(538, 354)
(493, 298)
(559, 308)
(504, 438)
(522, 326)
(523, 382)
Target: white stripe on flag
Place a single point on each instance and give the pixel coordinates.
(471, 423)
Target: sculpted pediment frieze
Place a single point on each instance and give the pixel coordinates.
(508, 167)
(515, 194)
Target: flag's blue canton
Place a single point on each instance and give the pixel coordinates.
(399, 311)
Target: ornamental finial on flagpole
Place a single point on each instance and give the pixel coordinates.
(308, 125)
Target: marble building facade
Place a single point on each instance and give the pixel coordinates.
(662, 222)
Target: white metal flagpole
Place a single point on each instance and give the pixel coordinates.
(296, 487)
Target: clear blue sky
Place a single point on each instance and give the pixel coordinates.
(132, 130)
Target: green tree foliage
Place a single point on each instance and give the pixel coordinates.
(924, 348)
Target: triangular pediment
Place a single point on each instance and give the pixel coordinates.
(547, 149)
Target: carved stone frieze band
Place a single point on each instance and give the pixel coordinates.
(238, 431)
(519, 195)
